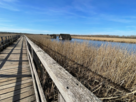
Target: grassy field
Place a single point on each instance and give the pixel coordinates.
(122, 40)
(110, 68)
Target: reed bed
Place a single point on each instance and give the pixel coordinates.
(122, 40)
(105, 71)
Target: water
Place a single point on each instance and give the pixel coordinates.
(128, 46)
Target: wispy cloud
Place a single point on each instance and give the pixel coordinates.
(71, 9)
(24, 30)
(9, 4)
(85, 6)
(116, 18)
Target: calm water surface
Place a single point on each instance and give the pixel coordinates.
(128, 46)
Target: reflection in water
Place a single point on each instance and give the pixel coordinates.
(128, 46)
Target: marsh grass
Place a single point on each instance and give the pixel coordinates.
(110, 39)
(90, 65)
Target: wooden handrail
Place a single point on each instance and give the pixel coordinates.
(7, 40)
(71, 90)
(36, 81)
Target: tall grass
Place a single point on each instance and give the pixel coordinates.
(110, 39)
(113, 63)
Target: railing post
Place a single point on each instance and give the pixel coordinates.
(32, 53)
(12, 38)
(2, 43)
(6, 42)
(38, 63)
(9, 39)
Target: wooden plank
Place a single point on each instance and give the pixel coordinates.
(13, 81)
(13, 84)
(14, 63)
(15, 71)
(13, 88)
(70, 88)
(13, 78)
(28, 99)
(14, 93)
(12, 67)
(15, 75)
(18, 75)
(24, 74)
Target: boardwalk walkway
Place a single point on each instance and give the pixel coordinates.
(15, 75)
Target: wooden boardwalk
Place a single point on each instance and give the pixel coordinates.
(15, 76)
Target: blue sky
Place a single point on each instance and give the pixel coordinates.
(113, 17)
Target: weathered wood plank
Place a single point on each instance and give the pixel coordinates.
(14, 75)
(70, 88)
(13, 81)
(15, 66)
(28, 95)
(14, 84)
(14, 70)
(28, 99)
(13, 78)
(13, 88)
(16, 92)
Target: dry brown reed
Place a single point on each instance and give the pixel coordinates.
(112, 63)
(110, 39)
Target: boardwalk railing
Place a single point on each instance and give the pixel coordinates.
(70, 89)
(7, 40)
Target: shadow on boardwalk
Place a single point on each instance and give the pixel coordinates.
(15, 74)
